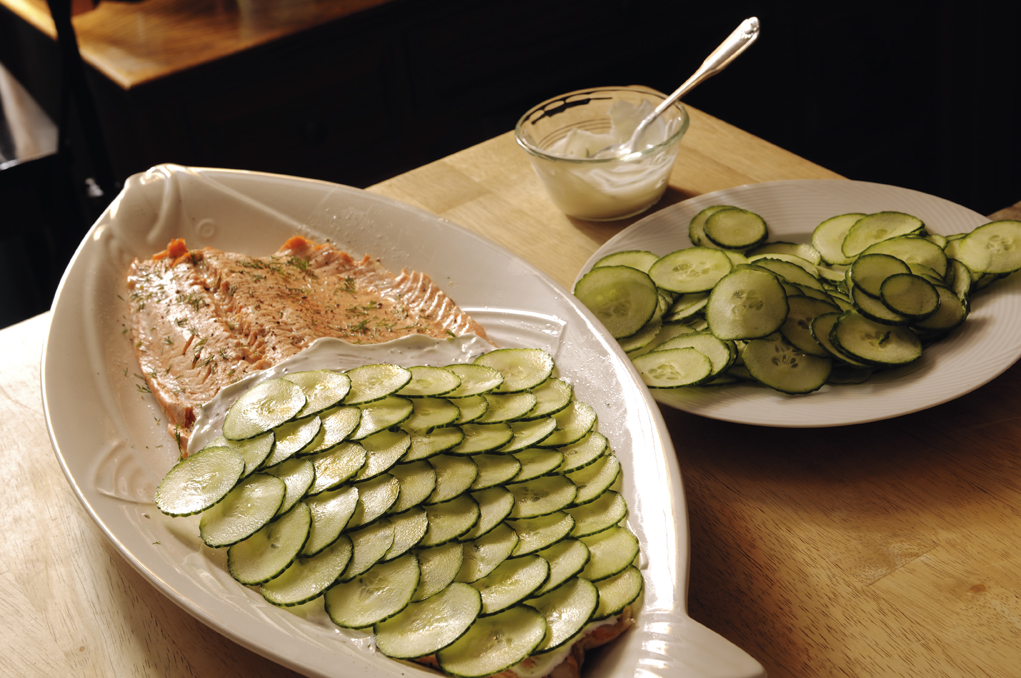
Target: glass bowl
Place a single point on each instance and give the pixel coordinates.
(561, 134)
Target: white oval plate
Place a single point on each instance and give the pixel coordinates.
(987, 344)
(113, 449)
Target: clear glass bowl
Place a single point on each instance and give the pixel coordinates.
(558, 132)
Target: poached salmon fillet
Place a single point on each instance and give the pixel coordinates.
(203, 319)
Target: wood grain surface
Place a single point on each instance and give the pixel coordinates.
(888, 549)
(133, 43)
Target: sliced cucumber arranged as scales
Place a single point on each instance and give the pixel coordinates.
(475, 544)
(744, 309)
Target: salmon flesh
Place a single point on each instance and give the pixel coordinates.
(203, 319)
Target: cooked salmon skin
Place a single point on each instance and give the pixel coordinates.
(203, 319)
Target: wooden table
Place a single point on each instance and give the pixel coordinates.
(887, 549)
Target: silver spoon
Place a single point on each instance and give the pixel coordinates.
(736, 43)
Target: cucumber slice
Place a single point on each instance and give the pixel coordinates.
(336, 466)
(427, 627)
(873, 228)
(696, 227)
(298, 476)
(566, 559)
(912, 249)
(375, 382)
(566, 610)
(382, 413)
(802, 251)
(480, 438)
(437, 441)
(822, 327)
(417, 479)
(331, 512)
(338, 423)
(601, 514)
(409, 528)
(734, 228)
(791, 269)
(375, 498)
(369, 544)
(536, 534)
(450, 520)
(875, 309)
(525, 434)
(828, 238)
(572, 424)
(507, 407)
(252, 503)
(293, 437)
(510, 583)
(495, 504)
(440, 565)
(261, 408)
(640, 259)
(522, 368)
(584, 452)
(594, 479)
(624, 299)
(747, 304)
(537, 462)
(682, 308)
(992, 248)
(470, 408)
(910, 296)
(483, 555)
(307, 578)
(254, 451)
(383, 450)
(199, 481)
(494, 644)
(617, 592)
(720, 353)
(375, 596)
(875, 343)
(475, 380)
(269, 552)
(797, 329)
(611, 551)
(542, 496)
(430, 413)
(645, 336)
(454, 475)
(694, 269)
(429, 381)
(868, 272)
(774, 362)
(322, 388)
(494, 469)
(953, 311)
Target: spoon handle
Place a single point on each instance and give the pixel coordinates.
(736, 43)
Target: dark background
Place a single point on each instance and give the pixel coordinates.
(921, 95)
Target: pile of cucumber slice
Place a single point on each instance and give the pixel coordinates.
(868, 293)
(468, 513)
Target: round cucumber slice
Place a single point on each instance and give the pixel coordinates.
(307, 578)
(374, 596)
(251, 504)
(774, 362)
(566, 610)
(747, 304)
(674, 368)
(269, 551)
(734, 228)
(322, 388)
(199, 481)
(522, 368)
(494, 644)
(694, 269)
(429, 381)
(621, 297)
(428, 626)
(875, 343)
(263, 407)
(374, 382)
